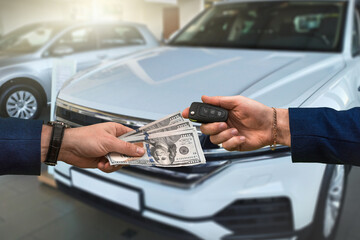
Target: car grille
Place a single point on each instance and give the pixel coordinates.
(182, 177)
(257, 216)
(78, 119)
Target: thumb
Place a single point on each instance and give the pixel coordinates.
(224, 102)
(126, 148)
(185, 113)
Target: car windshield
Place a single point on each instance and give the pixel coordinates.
(310, 26)
(28, 39)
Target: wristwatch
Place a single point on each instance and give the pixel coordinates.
(57, 135)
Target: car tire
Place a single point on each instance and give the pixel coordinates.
(330, 203)
(21, 101)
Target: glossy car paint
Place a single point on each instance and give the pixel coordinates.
(229, 72)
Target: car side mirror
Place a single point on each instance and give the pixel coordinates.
(62, 50)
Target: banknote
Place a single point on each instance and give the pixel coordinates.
(187, 125)
(164, 149)
(163, 122)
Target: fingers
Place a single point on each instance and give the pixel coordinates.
(224, 136)
(213, 128)
(211, 100)
(185, 113)
(220, 133)
(224, 102)
(126, 148)
(107, 168)
(235, 143)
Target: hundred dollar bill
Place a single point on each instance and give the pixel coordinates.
(166, 149)
(178, 126)
(175, 127)
(166, 121)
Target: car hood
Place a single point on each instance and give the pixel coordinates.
(167, 79)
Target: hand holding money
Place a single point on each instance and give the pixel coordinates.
(169, 142)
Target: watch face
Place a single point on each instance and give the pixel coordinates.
(50, 163)
(52, 123)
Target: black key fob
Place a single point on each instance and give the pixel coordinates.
(206, 113)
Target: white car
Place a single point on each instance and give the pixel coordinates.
(283, 54)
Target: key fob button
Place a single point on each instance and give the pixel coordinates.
(204, 111)
(212, 112)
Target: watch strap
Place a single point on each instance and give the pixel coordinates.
(57, 135)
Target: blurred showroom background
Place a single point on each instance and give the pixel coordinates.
(33, 208)
(162, 17)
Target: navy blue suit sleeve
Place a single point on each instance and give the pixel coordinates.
(325, 135)
(20, 144)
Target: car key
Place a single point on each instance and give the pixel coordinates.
(206, 113)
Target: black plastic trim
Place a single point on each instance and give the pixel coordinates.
(187, 219)
(61, 174)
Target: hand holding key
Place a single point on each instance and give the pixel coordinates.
(248, 127)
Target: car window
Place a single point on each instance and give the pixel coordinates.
(79, 39)
(355, 47)
(293, 25)
(118, 36)
(29, 38)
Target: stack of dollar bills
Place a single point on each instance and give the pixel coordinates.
(168, 142)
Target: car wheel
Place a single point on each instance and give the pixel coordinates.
(330, 203)
(21, 101)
